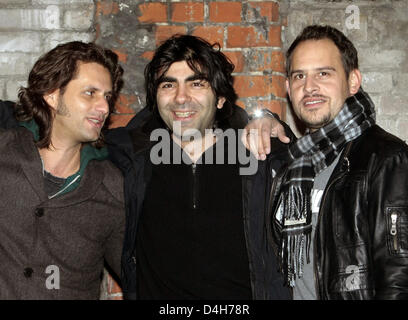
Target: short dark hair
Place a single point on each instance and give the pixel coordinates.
(54, 70)
(203, 58)
(347, 50)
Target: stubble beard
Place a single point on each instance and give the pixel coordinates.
(62, 109)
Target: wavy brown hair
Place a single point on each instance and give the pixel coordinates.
(54, 70)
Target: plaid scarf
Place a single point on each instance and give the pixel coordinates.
(309, 156)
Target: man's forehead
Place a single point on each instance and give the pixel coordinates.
(93, 74)
(183, 68)
(315, 54)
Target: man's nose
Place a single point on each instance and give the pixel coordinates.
(182, 95)
(102, 106)
(311, 85)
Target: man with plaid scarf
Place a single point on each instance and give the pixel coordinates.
(339, 208)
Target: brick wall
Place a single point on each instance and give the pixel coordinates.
(249, 33)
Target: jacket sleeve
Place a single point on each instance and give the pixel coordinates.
(113, 246)
(388, 206)
(7, 119)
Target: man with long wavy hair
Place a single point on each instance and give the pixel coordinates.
(62, 209)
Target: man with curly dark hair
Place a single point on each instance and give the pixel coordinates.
(62, 208)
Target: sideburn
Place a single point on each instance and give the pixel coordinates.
(62, 109)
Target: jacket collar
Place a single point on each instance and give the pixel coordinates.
(31, 159)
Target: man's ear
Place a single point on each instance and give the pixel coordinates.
(354, 81)
(52, 98)
(220, 103)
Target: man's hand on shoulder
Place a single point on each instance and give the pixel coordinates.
(257, 133)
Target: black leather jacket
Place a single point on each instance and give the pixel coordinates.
(361, 243)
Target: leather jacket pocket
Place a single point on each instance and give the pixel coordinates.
(397, 230)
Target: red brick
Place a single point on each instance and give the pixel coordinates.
(237, 58)
(211, 34)
(277, 61)
(119, 120)
(260, 86)
(124, 102)
(124, 110)
(250, 37)
(250, 86)
(267, 60)
(122, 55)
(106, 7)
(148, 55)
(277, 86)
(97, 30)
(153, 12)
(187, 12)
(225, 11)
(268, 10)
(164, 32)
(115, 298)
(241, 104)
(276, 106)
(284, 21)
(113, 286)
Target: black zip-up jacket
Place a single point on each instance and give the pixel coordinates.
(361, 241)
(129, 149)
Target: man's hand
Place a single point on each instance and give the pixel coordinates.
(257, 133)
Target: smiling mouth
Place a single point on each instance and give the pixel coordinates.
(183, 115)
(311, 103)
(96, 122)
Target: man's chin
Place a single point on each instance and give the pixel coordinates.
(187, 134)
(315, 123)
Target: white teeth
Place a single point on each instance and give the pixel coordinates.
(183, 114)
(314, 102)
(94, 121)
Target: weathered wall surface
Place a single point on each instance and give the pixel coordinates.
(249, 32)
(29, 28)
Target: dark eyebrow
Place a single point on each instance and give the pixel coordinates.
(196, 77)
(317, 69)
(96, 89)
(190, 78)
(167, 79)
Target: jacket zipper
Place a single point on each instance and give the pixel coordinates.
(393, 231)
(195, 180)
(344, 158)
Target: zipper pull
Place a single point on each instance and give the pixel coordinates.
(393, 232)
(193, 167)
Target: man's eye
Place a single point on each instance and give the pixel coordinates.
(199, 84)
(108, 97)
(89, 92)
(166, 85)
(299, 76)
(323, 74)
